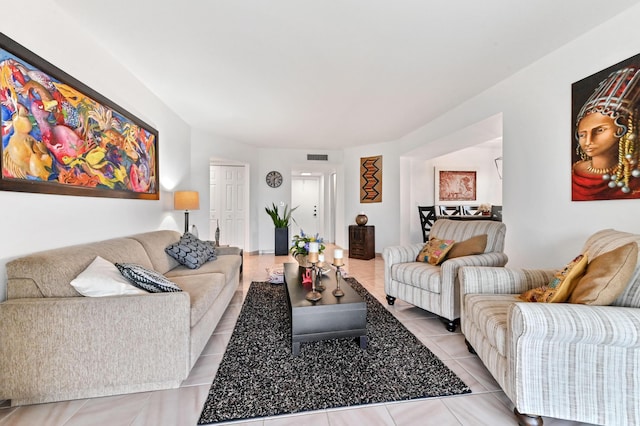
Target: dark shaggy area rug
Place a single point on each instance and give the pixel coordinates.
(259, 377)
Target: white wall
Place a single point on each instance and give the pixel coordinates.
(480, 159)
(33, 222)
(544, 227)
(385, 216)
(260, 161)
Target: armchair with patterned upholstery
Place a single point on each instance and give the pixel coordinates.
(577, 361)
(435, 288)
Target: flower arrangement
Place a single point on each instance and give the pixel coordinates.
(485, 208)
(300, 246)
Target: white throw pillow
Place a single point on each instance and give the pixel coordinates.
(102, 278)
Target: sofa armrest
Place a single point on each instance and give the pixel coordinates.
(568, 361)
(52, 348)
(485, 259)
(224, 251)
(401, 254)
(575, 324)
(491, 280)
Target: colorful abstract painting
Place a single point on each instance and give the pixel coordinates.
(455, 185)
(371, 179)
(61, 137)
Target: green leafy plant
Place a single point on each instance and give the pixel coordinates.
(278, 220)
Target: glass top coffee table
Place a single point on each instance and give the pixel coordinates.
(330, 317)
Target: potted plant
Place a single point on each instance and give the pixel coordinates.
(281, 222)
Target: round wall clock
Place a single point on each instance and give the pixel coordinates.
(274, 179)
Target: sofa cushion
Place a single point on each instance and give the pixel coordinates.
(472, 246)
(418, 274)
(147, 279)
(223, 264)
(489, 312)
(561, 285)
(191, 252)
(102, 278)
(434, 251)
(607, 276)
(203, 290)
(52, 270)
(154, 244)
(462, 230)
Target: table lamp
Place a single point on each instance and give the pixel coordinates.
(186, 200)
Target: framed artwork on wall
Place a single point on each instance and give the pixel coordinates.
(455, 185)
(371, 179)
(61, 137)
(605, 149)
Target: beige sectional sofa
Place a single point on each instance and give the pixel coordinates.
(56, 344)
(572, 361)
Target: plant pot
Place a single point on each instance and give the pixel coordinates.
(302, 261)
(282, 241)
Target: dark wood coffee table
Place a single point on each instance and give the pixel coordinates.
(330, 317)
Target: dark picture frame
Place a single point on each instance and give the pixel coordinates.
(61, 137)
(455, 185)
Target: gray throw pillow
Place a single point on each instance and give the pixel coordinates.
(191, 252)
(147, 279)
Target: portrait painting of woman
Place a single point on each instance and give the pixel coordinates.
(605, 134)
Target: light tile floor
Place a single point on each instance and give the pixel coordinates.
(486, 405)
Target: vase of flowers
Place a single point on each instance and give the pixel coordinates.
(300, 247)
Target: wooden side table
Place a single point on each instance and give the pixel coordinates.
(362, 242)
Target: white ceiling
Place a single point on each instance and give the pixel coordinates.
(330, 73)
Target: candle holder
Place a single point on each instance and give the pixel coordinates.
(319, 286)
(338, 291)
(314, 295)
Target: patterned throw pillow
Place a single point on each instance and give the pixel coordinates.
(192, 252)
(147, 279)
(435, 251)
(561, 285)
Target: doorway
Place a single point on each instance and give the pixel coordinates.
(306, 195)
(228, 200)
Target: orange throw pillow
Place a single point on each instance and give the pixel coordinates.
(562, 284)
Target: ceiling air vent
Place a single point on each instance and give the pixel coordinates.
(317, 157)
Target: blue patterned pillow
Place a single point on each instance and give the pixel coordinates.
(191, 252)
(146, 279)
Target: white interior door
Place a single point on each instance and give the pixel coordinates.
(227, 209)
(305, 193)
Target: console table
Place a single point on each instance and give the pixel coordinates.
(362, 242)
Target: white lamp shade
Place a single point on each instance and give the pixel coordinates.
(186, 200)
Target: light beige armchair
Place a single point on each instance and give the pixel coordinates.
(435, 288)
(571, 361)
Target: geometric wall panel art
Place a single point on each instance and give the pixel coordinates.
(371, 179)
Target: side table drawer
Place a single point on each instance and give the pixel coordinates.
(362, 242)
